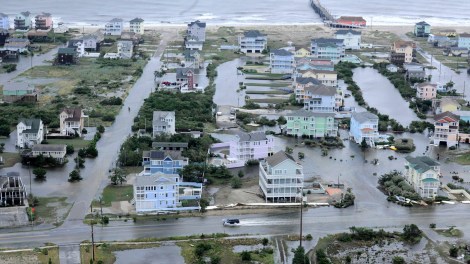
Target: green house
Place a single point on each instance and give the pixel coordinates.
(310, 124)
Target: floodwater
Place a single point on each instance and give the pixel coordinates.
(158, 255)
(380, 93)
(227, 84)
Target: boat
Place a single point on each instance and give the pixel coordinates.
(231, 222)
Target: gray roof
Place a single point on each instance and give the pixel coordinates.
(17, 40)
(327, 41)
(44, 14)
(161, 155)
(90, 37)
(305, 113)
(17, 86)
(157, 115)
(152, 179)
(344, 32)
(252, 136)
(464, 35)
(126, 44)
(49, 147)
(182, 72)
(3, 15)
(33, 123)
(362, 117)
(66, 51)
(422, 23)
(73, 43)
(198, 23)
(169, 144)
(282, 52)
(303, 80)
(116, 20)
(27, 13)
(189, 54)
(421, 163)
(137, 20)
(278, 158)
(253, 34)
(321, 90)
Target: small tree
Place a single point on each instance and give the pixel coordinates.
(398, 260)
(40, 174)
(246, 256)
(79, 162)
(299, 256)
(412, 232)
(454, 252)
(75, 176)
(100, 129)
(301, 155)
(236, 183)
(265, 242)
(281, 121)
(203, 203)
(118, 176)
(70, 149)
(364, 144)
(289, 150)
(241, 174)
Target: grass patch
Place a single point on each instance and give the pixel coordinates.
(52, 210)
(104, 252)
(34, 256)
(222, 249)
(463, 159)
(77, 143)
(269, 84)
(450, 232)
(112, 193)
(270, 100)
(10, 159)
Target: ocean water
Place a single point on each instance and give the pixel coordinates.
(230, 12)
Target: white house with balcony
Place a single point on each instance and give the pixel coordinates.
(364, 125)
(446, 129)
(114, 27)
(29, 132)
(125, 49)
(56, 151)
(4, 21)
(320, 98)
(196, 30)
(351, 38)
(163, 122)
(281, 61)
(252, 41)
(249, 146)
(137, 25)
(281, 178)
(422, 173)
(165, 192)
(72, 121)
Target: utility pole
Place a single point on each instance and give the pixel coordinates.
(301, 213)
(92, 244)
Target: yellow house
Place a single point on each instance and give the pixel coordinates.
(302, 53)
(404, 47)
(328, 78)
(449, 105)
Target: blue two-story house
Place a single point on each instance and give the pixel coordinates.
(327, 48)
(166, 162)
(281, 61)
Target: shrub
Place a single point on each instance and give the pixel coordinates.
(246, 256)
(100, 129)
(108, 117)
(70, 149)
(398, 260)
(236, 183)
(309, 237)
(252, 162)
(112, 101)
(454, 252)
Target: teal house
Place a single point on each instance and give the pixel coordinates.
(312, 125)
(422, 29)
(15, 91)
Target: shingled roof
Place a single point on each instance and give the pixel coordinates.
(278, 158)
(421, 163)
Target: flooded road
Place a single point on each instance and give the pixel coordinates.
(227, 84)
(380, 93)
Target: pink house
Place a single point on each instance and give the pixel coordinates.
(426, 91)
(249, 146)
(43, 21)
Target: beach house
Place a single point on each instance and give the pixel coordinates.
(311, 124)
(464, 41)
(351, 38)
(352, 21)
(302, 53)
(163, 123)
(29, 132)
(165, 192)
(125, 49)
(320, 98)
(422, 29)
(72, 121)
(43, 21)
(56, 151)
(114, 27)
(281, 61)
(422, 173)
(187, 78)
(251, 146)
(137, 25)
(446, 129)
(23, 21)
(67, 56)
(19, 92)
(299, 85)
(327, 48)
(401, 52)
(196, 30)
(364, 126)
(163, 161)
(414, 71)
(19, 45)
(281, 178)
(252, 41)
(426, 91)
(328, 78)
(4, 21)
(192, 43)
